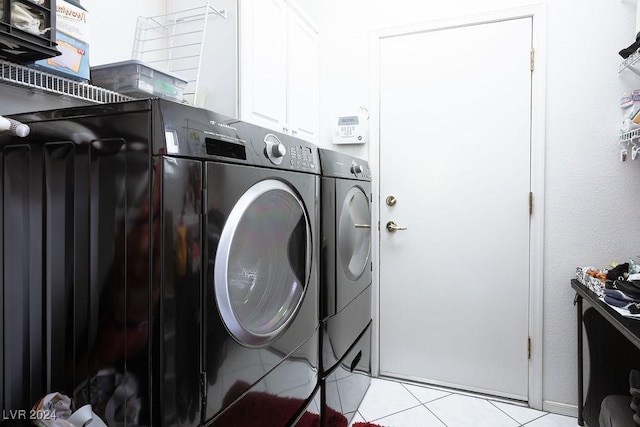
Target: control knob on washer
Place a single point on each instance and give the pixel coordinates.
(356, 168)
(278, 150)
(274, 150)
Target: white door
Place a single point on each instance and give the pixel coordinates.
(455, 118)
(263, 63)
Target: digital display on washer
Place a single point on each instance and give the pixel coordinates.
(217, 147)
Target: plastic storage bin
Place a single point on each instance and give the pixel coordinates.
(138, 80)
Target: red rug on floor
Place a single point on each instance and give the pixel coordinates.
(258, 409)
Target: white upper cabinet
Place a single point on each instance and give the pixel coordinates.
(279, 83)
(302, 79)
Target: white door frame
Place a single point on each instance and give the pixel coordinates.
(536, 243)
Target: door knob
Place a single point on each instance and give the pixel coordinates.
(392, 227)
(391, 200)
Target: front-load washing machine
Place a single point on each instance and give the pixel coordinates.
(262, 220)
(346, 270)
(163, 264)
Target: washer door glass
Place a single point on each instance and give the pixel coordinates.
(263, 263)
(354, 233)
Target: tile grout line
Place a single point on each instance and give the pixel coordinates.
(499, 409)
(434, 414)
(535, 419)
(395, 413)
(432, 400)
(519, 423)
(425, 403)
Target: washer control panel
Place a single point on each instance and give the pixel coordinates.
(291, 154)
(340, 165)
(302, 158)
(360, 170)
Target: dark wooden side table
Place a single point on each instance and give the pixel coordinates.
(614, 349)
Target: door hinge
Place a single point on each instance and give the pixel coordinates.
(533, 59)
(529, 347)
(378, 225)
(530, 203)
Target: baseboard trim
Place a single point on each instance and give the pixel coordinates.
(560, 408)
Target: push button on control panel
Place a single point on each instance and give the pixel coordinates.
(302, 158)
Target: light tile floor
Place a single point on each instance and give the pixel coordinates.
(394, 404)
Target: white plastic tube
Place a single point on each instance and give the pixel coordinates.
(14, 127)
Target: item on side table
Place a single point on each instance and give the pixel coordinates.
(592, 278)
(618, 298)
(630, 288)
(628, 51)
(634, 267)
(618, 272)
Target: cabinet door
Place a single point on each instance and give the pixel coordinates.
(303, 81)
(263, 63)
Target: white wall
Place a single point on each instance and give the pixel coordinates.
(218, 79)
(583, 169)
(113, 26)
(591, 199)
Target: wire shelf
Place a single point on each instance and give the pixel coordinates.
(628, 137)
(20, 75)
(175, 43)
(630, 62)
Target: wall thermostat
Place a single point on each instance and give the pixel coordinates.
(351, 129)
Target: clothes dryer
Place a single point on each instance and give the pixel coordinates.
(164, 263)
(345, 280)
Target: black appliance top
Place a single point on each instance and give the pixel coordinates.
(178, 130)
(339, 165)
